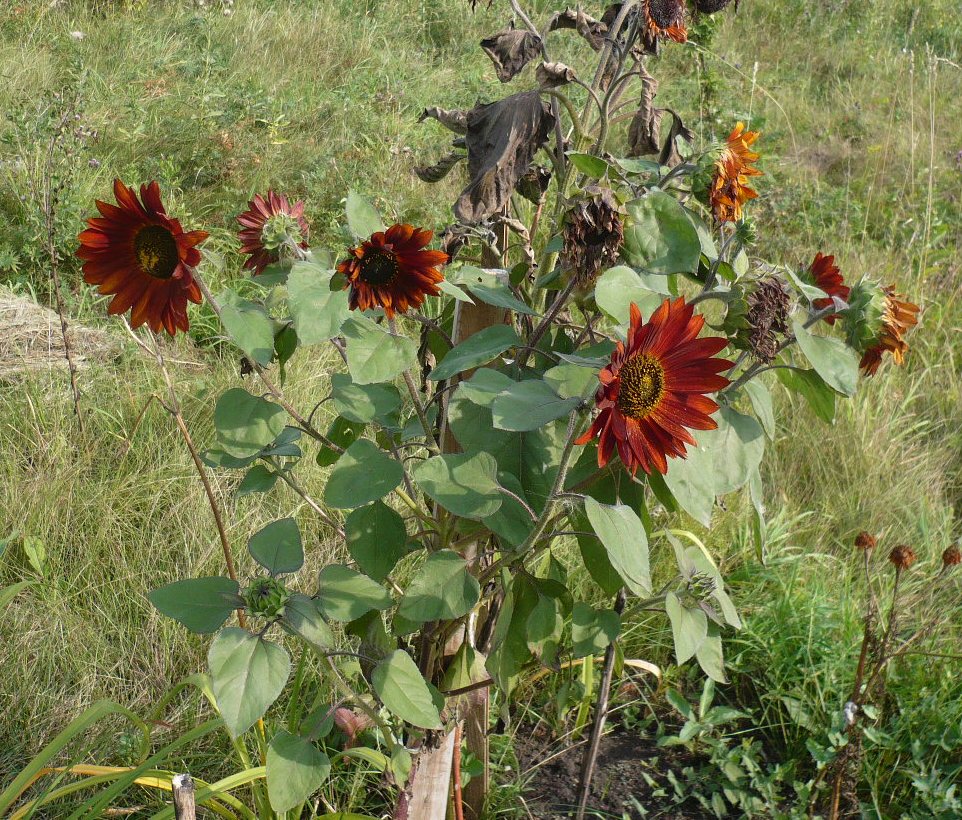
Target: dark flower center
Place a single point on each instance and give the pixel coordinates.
(156, 251)
(378, 267)
(642, 385)
(663, 13)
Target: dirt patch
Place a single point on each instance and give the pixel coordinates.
(630, 768)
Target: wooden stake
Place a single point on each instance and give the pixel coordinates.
(182, 786)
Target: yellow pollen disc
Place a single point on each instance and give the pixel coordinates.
(642, 385)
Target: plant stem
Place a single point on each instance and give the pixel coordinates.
(431, 441)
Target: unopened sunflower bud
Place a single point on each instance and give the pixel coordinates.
(865, 541)
(951, 557)
(863, 319)
(701, 585)
(746, 232)
(266, 597)
(902, 556)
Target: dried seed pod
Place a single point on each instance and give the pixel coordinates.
(711, 6)
(902, 556)
(865, 541)
(593, 235)
(951, 557)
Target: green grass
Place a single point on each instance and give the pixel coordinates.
(859, 104)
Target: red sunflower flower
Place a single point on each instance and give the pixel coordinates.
(143, 257)
(654, 388)
(666, 18)
(392, 270)
(267, 225)
(825, 275)
(729, 187)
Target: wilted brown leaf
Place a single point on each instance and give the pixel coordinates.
(455, 120)
(552, 75)
(440, 169)
(511, 50)
(592, 30)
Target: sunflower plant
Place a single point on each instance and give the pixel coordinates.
(560, 383)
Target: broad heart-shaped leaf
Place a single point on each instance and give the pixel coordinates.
(374, 354)
(362, 217)
(200, 604)
(689, 627)
(376, 538)
(510, 651)
(593, 554)
(296, 769)
(403, 690)
(302, 616)
(441, 589)
(259, 479)
(820, 397)
(691, 481)
(466, 485)
(659, 236)
(512, 522)
(247, 675)
(709, 655)
(592, 629)
(736, 446)
(364, 473)
(318, 312)
(484, 385)
(529, 405)
(246, 424)
(343, 594)
(363, 402)
(498, 294)
(832, 359)
(761, 398)
(618, 287)
(248, 325)
(589, 164)
(572, 380)
(277, 547)
(626, 542)
(476, 350)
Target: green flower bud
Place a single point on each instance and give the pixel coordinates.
(266, 597)
(279, 231)
(746, 232)
(863, 319)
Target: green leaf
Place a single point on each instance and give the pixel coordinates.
(442, 589)
(318, 312)
(285, 345)
(362, 217)
(36, 552)
(484, 385)
(589, 164)
(618, 287)
(705, 238)
(711, 659)
(364, 473)
(832, 359)
(343, 433)
(761, 398)
(376, 538)
(689, 627)
(592, 629)
(303, 617)
(364, 402)
(374, 354)
(500, 295)
(466, 485)
(529, 405)
(246, 424)
(593, 554)
(659, 236)
(259, 479)
(247, 675)
(572, 380)
(343, 594)
(453, 290)
(691, 482)
(476, 350)
(8, 593)
(200, 604)
(820, 397)
(626, 542)
(277, 547)
(404, 692)
(736, 446)
(512, 522)
(296, 769)
(510, 651)
(248, 325)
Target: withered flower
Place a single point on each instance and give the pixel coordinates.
(865, 541)
(898, 317)
(593, 234)
(951, 557)
(351, 723)
(711, 6)
(666, 18)
(902, 556)
(729, 189)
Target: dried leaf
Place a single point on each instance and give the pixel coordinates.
(592, 30)
(440, 169)
(534, 183)
(502, 139)
(552, 75)
(645, 128)
(669, 151)
(454, 120)
(511, 50)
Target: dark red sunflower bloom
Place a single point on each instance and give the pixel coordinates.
(268, 223)
(654, 388)
(143, 257)
(825, 275)
(392, 270)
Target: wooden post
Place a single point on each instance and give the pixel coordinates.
(182, 786)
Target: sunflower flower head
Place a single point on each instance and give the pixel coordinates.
(270, 227)
(876, 323)
(393, 270)
(711, 6)
(666, 19)
(826, 276)
(757, 318)
(593, 234)
(654, 389)
(266, 597)
(729, 188)
(951, 557)
(865, 541)
(902, 557)
(142, 257)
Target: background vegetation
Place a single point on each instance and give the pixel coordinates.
(859, 105)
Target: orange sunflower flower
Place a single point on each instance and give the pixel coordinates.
(666, 18)
(825, 275)
(392, 270)
(654, 388)
(143, 257)
(267, 224)
(730, 188)
(898, 317)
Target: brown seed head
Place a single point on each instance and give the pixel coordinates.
(902, 556)
(951, 556)
(865, 541)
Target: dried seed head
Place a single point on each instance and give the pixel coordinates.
(902, 556)
(592, 236)
(951, 556)
(711, 6)
(760, 318)
(865, 541)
